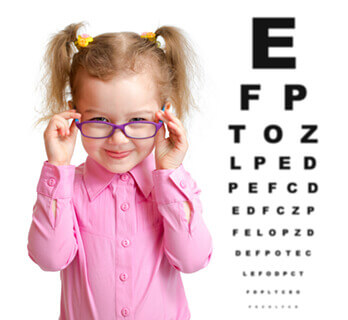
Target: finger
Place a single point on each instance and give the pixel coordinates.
(69, 114)
(67, 128)
(160, 136)
(58, 124)
(157, 118)
(171, 117)
(176, 132)
(160, 115)
(73, 125)
(163, 117)
(73, 128)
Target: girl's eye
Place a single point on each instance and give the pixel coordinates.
(98, 119)
(137, 119)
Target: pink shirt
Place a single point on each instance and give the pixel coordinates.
(119, 241)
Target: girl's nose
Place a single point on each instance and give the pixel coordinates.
(118, 137)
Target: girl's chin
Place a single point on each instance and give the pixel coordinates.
(118, 165)
(117, 169)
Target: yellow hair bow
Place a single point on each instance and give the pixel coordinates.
(151, 36)
(83, 40)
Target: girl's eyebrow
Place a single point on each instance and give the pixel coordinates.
(91, 110)
(140, 112)
(129, 114)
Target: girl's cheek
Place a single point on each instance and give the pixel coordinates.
(144, 144)
(90, 144)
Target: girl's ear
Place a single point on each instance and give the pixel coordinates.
(71, 105)
(167, 105)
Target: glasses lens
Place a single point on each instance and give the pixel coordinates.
(140, 130)
(96, 130)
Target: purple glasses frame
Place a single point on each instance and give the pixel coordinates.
(121, 126)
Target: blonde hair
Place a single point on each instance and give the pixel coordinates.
(111, 54)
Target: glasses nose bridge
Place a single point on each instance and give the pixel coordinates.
(121, 129)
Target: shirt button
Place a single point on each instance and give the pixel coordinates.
(125, 242)
(51, 182)
(125, 206)
(183, 184)
(125, 312)
(124, 177)
(123, 276)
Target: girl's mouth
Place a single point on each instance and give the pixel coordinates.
(118, 155)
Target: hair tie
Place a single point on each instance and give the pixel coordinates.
(83, 40)
(151, 36)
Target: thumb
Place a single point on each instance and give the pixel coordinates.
(160, 136)
(73, 127)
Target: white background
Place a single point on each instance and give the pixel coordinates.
(221, 33)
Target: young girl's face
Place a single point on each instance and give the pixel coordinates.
(120, 100)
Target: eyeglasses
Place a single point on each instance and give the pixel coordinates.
(133, 129)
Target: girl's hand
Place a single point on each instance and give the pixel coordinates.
(170, 152)
(60, 139)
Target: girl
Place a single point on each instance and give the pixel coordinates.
(121, 226)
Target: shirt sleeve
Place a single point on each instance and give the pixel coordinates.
(187, 245)
(52, 240)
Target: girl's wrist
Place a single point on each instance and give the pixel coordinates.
(59, 163)
(166, 168)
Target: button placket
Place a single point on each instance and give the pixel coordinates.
(125, 243)
(125, 312)
(124, 206)
(125, 229)
(123, 276)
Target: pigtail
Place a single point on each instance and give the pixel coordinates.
(183, 65)
(57, 64)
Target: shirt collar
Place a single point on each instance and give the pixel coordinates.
(97, 178)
